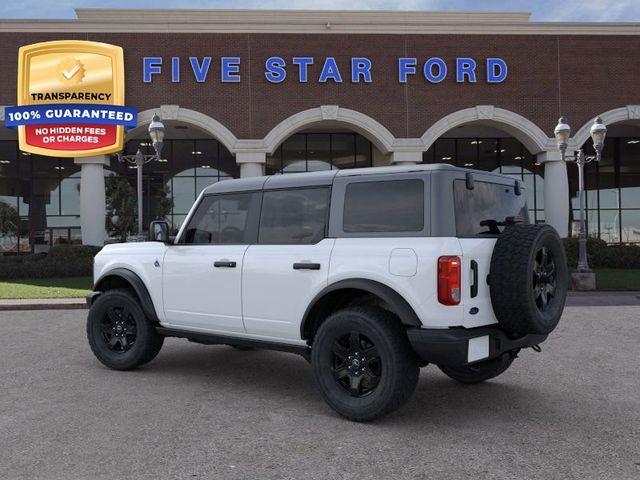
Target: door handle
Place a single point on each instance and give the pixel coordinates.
(306, 266)
(474, 270)
(224, 263)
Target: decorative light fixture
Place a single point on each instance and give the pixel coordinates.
(562, 133)
(156, 133)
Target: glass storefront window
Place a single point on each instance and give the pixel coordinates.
(8, 159)
(445, 151)
(610, 226)
(182, 159)
(630, 224)
(467, 152)
(70, 196)
(487, 158)
(364, 152)
(343, 150)
(204, 182)
(306, 152)
(293, 154)
(318, 151)
(184, 192)
(511, 156)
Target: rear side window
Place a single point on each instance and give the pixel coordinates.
(295, 216)
(385, 206)
(483, 210)
(231, 218)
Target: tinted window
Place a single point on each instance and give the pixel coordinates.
(294, 216)
(389, 206)
(224, 219)
(483, 210)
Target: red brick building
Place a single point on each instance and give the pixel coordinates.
(254, 92)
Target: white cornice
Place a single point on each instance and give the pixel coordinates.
(298, 16)
(323, 21)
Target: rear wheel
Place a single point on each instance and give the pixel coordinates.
(119, 334)
(363, 363)
(481, 371)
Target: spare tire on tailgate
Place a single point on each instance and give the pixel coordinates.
(528, 279)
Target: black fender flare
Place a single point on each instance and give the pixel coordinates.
(396, 302)
(136, 283)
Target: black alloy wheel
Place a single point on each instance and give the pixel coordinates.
(356, 364)
(119, 329)
(363, 362)
(544, 278)
(119, 333)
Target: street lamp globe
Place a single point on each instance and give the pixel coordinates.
(598, 132)
(562, 133)
(156, 132)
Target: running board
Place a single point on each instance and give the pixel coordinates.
(215, 339)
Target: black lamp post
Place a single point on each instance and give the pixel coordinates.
(562, 133)
(156, 133)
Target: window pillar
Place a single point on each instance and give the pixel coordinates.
(251, 163)
(93, 208)
(556, 191)
(405, 158)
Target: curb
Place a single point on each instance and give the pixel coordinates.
(42, 304)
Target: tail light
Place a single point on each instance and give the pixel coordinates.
(449, 280)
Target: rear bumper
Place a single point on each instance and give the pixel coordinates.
(460, 346)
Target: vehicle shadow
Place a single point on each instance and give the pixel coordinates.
(285, 378)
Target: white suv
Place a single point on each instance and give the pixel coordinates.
(368, 273)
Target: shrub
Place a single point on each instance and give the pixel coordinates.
(61, 261)
(601, 255)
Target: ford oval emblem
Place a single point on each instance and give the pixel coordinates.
(474, 310)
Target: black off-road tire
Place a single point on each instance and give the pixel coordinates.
(394, 371)
(141, 346)
(481, 371)
(515, 284)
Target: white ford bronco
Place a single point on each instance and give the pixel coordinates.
(369, 274)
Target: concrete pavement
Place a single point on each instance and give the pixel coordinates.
(572, 411)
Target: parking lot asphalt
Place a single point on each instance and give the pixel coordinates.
(572, 411)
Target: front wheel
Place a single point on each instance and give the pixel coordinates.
(363, 363)
(481, 371)
(119, 334)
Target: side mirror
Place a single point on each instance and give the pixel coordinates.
(159, 231)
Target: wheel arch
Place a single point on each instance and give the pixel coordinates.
(321, 304)
(125, 278)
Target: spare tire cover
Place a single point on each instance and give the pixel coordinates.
(528, 279)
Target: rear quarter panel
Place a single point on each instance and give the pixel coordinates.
(370, 258)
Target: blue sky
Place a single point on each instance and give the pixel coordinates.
(542, 10)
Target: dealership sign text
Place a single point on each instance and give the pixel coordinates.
(307, 69)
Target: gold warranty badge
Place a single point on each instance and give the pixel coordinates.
(71, 72)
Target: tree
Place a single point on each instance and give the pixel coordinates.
(9, 220)
(161, 201)
(9, 225)
(122, 213)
